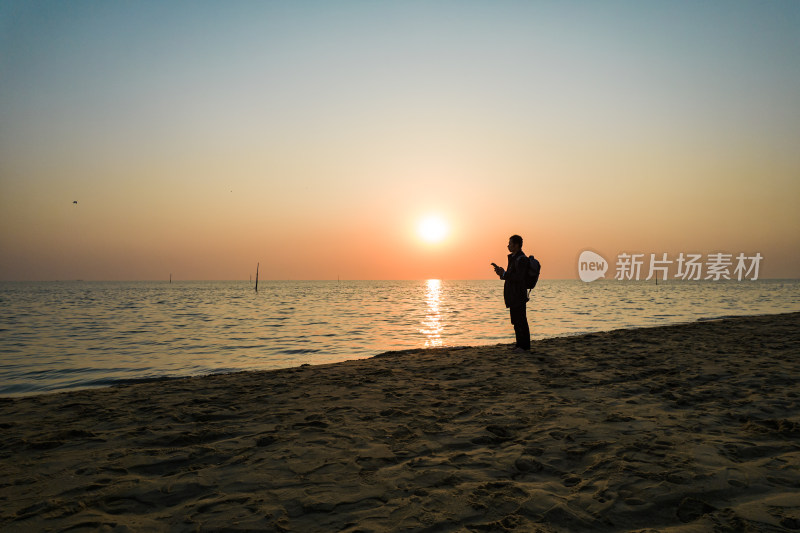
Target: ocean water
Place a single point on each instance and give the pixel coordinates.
(65, 335)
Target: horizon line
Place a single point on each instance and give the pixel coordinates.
(167, 281)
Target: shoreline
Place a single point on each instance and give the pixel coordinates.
(675, 427)
(136, 381)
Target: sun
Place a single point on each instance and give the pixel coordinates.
(432, 228)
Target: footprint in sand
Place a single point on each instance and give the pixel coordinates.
(266, 441)
(528, 465)
(691, 509)
(497, 434)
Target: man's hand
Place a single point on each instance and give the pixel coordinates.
(497, 270)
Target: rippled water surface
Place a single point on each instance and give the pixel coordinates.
(61, 335)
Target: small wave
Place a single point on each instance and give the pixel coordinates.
(106, 382)
(720, 317)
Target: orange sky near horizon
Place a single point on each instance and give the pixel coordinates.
(199, 142)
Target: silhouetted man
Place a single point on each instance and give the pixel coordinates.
(514, 292)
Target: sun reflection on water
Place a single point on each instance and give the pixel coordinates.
(432, 323)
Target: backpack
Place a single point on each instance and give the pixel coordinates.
(532, 275)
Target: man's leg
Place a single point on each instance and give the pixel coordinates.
(513, 314)
(520, 320)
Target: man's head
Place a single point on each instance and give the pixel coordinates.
(514, 244)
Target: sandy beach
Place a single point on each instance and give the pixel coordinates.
(692, 427)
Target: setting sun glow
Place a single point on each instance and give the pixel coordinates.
(432, 229)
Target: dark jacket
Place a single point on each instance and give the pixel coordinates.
(514, 291)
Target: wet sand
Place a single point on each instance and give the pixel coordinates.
(678, 428)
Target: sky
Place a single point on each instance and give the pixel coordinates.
(200, 139)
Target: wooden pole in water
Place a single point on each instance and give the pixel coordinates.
(257, 264)
(170, 277)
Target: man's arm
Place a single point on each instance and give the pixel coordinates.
(499, 271)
